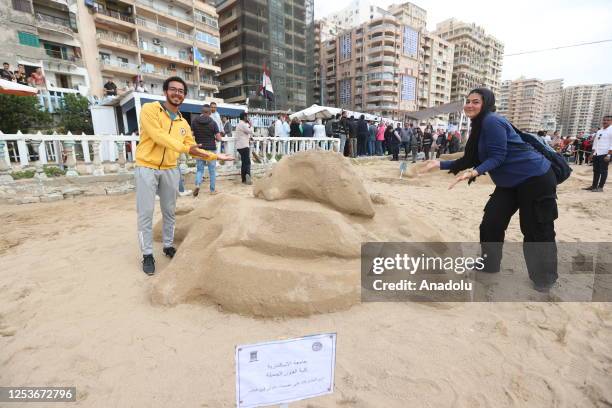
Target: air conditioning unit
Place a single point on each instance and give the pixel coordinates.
(156, 41)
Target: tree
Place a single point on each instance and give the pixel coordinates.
(21, 113)
(75, 116)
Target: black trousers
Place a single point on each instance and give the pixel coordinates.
(426, 151)
(245, 159)
(361, 145)
(535, 199)
(394, 149)
(600, 171)
(580, 156)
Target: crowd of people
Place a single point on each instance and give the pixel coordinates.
(591, 148)
(576, 149)
(360, 137)
(35, 79)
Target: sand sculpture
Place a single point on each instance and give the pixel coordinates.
(294, 253)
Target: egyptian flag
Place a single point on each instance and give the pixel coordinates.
(266, 84)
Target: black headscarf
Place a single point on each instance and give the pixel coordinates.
(470, 155)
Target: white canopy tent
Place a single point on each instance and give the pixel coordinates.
(327, 112)
(315, 112)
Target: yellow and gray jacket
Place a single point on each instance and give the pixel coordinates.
(162, 139)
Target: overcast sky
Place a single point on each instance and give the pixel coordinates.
(525, 25)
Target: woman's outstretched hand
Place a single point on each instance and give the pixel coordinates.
(466, 175)
(429, 165)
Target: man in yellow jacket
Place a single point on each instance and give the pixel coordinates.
(164, 135)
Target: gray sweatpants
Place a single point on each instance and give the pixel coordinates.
(150, 182)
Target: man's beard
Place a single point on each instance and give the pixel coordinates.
(174, 104)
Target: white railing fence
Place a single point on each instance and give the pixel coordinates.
(68, 150)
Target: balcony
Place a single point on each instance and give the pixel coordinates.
(55, 24)
(201, 5)
(381, 48)
(384, 88)
(59, 57)
(163, 31)
(113, 19)
(382, 98)
(116, 42)
(231, 18)
(161, 54)
(230, 52)
(117, 67)
(212, 84)
(162, 73)
(149, 6)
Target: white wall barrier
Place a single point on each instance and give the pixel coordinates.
(38, 149)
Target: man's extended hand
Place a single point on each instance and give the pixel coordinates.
(197, 151)
(224, 157)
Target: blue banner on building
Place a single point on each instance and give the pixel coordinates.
(411, 42)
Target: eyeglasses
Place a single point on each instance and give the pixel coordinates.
(177, 90)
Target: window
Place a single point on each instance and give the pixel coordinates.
(22, 5)
(28, 39)
(207, 38)
(104, 57)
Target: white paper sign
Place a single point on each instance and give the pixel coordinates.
(279, 372)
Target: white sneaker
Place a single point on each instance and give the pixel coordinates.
(185, 193)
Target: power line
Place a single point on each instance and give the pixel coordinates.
(557, 48)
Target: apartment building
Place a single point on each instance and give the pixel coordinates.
(358, 12)
(373, 68)
(435, 71)
(478, 57)
(553, 94)
(150, 40)
(324, 31)
(43, 36)
(407, 13)
(522, 103)
(81, 44)
(277, 34)
(583, 107)
(603, 104)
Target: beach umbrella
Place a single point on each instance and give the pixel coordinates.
(13, 88)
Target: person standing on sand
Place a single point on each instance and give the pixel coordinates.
(380, 139)
(244, 135)
(206, 134)
(524, 181)
(602, 150)
(164, 135)
(394, 139)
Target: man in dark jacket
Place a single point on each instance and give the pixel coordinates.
(362, 136)
(352, 125)
(307, 129)
(427, 142)
(441, 143)
(371, 145)
(415, 142)
(206, 133)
